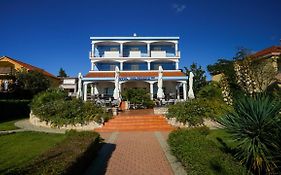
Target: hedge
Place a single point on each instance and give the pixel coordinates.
(14, 109)
(201, 155)
(71, 156)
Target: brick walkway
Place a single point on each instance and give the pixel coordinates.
(135, 153)
(138, 153)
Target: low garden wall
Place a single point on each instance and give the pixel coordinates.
(82, 127)
(206, 122)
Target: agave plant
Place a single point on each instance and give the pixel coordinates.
(255, 127)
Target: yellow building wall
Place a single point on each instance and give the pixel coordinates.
(217, 77)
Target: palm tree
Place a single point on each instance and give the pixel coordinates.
(255, 127)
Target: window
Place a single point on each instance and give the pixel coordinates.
(112, 67)
(157, 49)
(134, 49)
(113, 49)
(135, 67)
(156, 66)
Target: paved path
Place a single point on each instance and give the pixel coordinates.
(25, 125)
(135, 153)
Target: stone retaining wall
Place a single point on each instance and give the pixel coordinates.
(207, 122)
(89, 126)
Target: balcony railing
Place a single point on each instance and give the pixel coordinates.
(111, 54)
(136, 54)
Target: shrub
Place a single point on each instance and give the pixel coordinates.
(255, 127)
(138, 96)
(193, 111)
(211, 91)
(56, 107)
(200, 155)
(14, 109)
(71, 156)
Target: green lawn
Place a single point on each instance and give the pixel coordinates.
(19, 148)
(8, 125)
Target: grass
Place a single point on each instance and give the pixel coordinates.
(19, 148)
(8, 125)
(202, 153)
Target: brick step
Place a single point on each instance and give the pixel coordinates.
(138, 118)
(133, 129)
(137, 126)
(124, 121)
(135, 123)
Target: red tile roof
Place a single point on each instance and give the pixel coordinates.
(268, 51)
(134, 74)
(30, 67)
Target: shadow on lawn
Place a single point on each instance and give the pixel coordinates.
(100, 163)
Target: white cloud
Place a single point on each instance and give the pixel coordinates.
(179, 7)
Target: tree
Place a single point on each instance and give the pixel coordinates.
(242, 53)
(62, 73)
(199, 79)
(31, 81)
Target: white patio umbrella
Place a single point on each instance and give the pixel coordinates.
(116, 92)
(190, 91)
(96, 91)
(79, 90)
(160, 93)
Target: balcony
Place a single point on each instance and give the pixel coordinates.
(158, 54)
(135, 54)
(111, 54)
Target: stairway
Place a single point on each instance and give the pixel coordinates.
(146, 122)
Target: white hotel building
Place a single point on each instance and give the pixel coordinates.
(138, 59)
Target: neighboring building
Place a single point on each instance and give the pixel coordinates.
(69, 84)
(271, 54)
(8, 66)
(138, 59)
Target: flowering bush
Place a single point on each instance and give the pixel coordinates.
(194, 111)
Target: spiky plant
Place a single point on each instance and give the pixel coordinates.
(255, 127)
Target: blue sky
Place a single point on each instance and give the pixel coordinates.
(55, 33)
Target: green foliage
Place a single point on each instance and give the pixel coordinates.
(62, 73)
(200, 155)
(14, 109)
(194, 111)
(56, 107)
(32, 81)
(138, 96)
(211, 91)
(222, 66)
(255, 127)
(190, 112)
(71, 156)
(199, 79)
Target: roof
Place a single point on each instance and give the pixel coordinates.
(30, 67)
(135, 38)
(134, 74)
(268, 52)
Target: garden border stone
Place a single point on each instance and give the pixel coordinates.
(36, 121)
